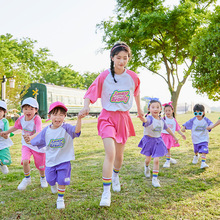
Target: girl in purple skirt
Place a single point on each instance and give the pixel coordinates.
(152, 143)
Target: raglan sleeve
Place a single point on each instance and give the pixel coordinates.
(95, 90)
(70, 129)
(38, 123)
(177, 126)
(188, 125)
(40, 140)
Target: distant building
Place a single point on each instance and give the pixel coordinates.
(183, 108)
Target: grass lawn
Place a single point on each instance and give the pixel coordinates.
(187, 192)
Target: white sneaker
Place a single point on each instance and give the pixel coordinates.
(4, 169)
(173, 161)
(106, 199)
(24, 183)
(195, 159)
(60, 203)
(155, 182)
(116, 187)
(166, 164)
(204, 165)
(54, 189)
(43, 182)
(147, 171)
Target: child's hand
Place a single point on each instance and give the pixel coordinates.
(27, 138)
(81, 116)
(84, 111)
(5, 136)
(183, 129)
(176, 140)
(184, 137)
(209, 127)
(142, 118)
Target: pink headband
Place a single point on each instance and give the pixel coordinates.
(169, 103)
(119, 46)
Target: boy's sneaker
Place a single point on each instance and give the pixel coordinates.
(24, 183)
(173, 161)
(54, 189)
(116, 187)
(147, 171)
(155, 182)
(204, 165)
(166, 164)
(60, 203)
(43, 182)
(4, 169)
(106, 199)
(195, 159)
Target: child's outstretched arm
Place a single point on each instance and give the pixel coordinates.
(172, 134)
(213, 125)
(183, 136)
(79, 123)
(5, 134)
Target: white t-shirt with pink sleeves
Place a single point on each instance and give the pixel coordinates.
(114, 96)
(30, 128)
(172, 124)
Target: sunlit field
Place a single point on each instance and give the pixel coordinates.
(187, 192)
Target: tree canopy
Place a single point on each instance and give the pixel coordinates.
(206, 75)
(25, 62)
(160, 37)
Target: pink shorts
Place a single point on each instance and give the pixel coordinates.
(169, 141)
(117, 125)
(39, 158)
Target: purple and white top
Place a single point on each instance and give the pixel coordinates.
(114, 96)
(172, 124)
(153, 127)
(198, 129)
(58, 142)
(30, 128)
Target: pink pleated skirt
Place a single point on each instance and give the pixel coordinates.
(117, 125)
(169, 141)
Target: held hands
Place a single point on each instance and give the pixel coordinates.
(183, 136)
(183, 129)
(27, 139)
(176, 140)
(4, 134)
(83, 112)
(209, 127)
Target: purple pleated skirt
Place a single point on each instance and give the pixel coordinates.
(152, 146)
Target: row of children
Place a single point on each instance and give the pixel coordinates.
(116, 87)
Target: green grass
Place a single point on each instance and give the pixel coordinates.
(186, 192)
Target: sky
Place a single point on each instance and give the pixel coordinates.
(68, 29)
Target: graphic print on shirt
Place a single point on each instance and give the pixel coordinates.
(200, 128)
(29, 132)
(170, 126)
(120, 96)
(157, 129)
(57, 143)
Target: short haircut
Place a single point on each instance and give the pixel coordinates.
(199, 107)
(57, 109)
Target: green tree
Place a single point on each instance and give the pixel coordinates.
(20, 59)
(206, 75)
(89, 78)
(158, 36)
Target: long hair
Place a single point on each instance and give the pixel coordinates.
(116, 49)
(171, 108)
(149, 104)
